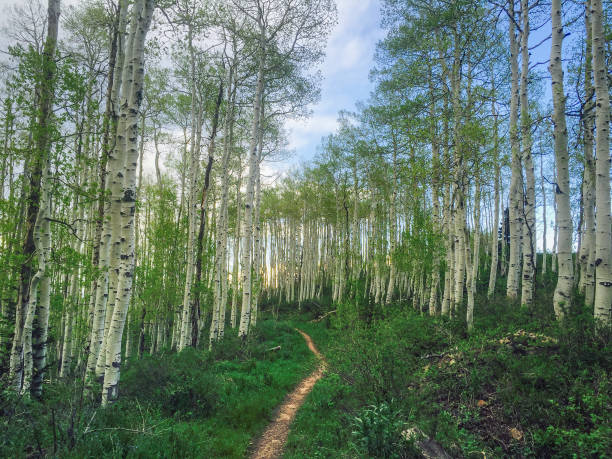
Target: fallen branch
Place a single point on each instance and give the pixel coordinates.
(148, 431)
(434, 356)
(323, 316)
(437, 356)
(277, 348)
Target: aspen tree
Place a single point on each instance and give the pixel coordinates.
(39, 302)
(603, 240)
(528, 208)
(435, 183)
(103, 228)
(459, 191)
(554, 264)
(544, 218)
(221, 239)
(127, 139)
(496, 202)
(192, 200)
(35, 292)
(247, 227)
(516, 184)
(355, 239)
(236, 252)
(392, 220)
(257, 228)
(195, 308)
(472, 261)
(112, 234)
(587, 249)
(562, 296)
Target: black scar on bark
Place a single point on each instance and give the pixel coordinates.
(598, 261)
(129, 195)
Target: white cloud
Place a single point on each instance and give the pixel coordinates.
(346, 68)
(304, 132)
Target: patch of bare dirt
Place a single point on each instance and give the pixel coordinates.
(273, 440)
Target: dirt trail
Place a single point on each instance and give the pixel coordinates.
(273, 440)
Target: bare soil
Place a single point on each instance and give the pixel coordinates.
(273, 440)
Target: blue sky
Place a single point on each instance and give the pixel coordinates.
(346, 68)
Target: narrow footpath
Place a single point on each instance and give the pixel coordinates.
(272, 442)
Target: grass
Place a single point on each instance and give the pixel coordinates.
(522, 385)
(192, 404)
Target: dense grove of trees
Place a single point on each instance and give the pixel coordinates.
(134, 217)
(411, 188)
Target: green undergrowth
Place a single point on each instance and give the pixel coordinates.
(521, 385)
(192, 404)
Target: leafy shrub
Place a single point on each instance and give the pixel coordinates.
(377, 432)
(380, 358)
(179, 384)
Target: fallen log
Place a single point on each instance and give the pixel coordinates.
(323, 316)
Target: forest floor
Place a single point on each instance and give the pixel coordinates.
(521, 385)
(194, 404)
(272, 442)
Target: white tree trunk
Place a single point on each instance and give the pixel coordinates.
(563, 291)
(21, 360)
(221, 239)
(529, 220)
(473, 271)
(496, 203)
(192, 215)
(247, 227)
(603, 241)
(544, 217)
(587, 252)
(127, 139)
(516, 184)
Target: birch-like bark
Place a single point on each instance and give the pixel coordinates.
(236, 251)
(116, 173)
(603, 241)
(200, 240)
(544, 217)
(555, 226)
(587, 252)
(142, 12)
(247, 227)
(529, 220)
(103, 226)
(257, 230)
(356, 242)
(42, 240)
(192, 206)
(449, 275)
(563, 291)
(473, 268)
(220, 297)
(459, 196)
(496, 203)
(38, 238)
(435, 183)
(72, 301)
(516, 183)
(392, 224)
